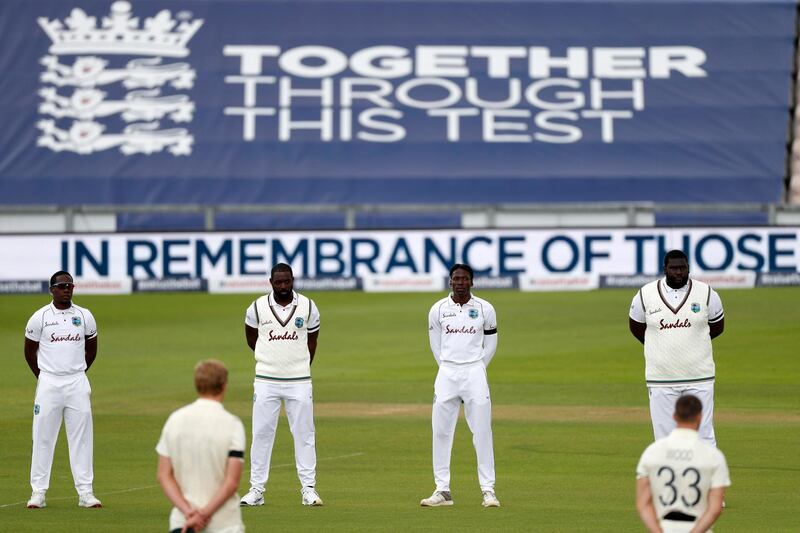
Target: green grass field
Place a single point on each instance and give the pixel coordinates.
(567, 384)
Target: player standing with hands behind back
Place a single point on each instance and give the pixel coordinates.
(681, 480)
(462, 331)
(60, 346)
(282, 328)
(676, 318)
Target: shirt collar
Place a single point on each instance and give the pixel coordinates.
(273, 303)
(207, 401)
(668, 289)
(70, 309)
(471, 300)
(685, 433)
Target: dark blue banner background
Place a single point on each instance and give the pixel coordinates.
(716, 138)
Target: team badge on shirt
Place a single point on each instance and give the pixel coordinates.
(76, 321)
(298, 322)
(473, 313)
(695, 307)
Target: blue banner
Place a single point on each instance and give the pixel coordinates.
(237, 101)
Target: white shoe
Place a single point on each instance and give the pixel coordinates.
(438, 498)
(37, 500)
(252, 498)
(88, 500)
(311, 497)
(489, 499)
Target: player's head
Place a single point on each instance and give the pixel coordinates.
(676, 268)
(210, 377)
(61, 287)
(688, 411)
(282, 280)
(461, 278)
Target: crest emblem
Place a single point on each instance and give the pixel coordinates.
(35, 409)
(75, 113)
(76, 321)
(473, 313)
(695, 307)
(298, 322)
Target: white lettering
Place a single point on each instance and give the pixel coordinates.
(392, 62)
(442, 61)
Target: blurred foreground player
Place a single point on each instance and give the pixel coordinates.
(60, 346)
(681, 479)
(201, 452)
(462, 331)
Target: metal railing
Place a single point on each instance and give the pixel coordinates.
(633, 214)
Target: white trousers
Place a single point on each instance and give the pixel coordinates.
(662, 407)
(67, 398)
(297, 398)
(467, 384)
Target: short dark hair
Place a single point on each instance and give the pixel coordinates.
(687, 408)
(461, 266)
(281, 267)
(675, 254)
(59, 273)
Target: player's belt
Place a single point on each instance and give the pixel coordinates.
(678, 516)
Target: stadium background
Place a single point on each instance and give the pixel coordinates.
(555, 146)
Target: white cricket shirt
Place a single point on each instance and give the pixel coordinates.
(281, 350)
(283, 312)
(677, 345)
(674, 297)
(61, 334)
(199, 439)
(459, 329)
(682, 469)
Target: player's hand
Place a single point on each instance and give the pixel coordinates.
(198, 520)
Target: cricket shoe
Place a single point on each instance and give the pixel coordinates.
(37, 500)
(437, 499)
(489, 499)
(253, 498)
(88, 500)
(311, 497)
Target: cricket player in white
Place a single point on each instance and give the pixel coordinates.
(675, 318)
(60, 346)
(681, 480)
(463, 337)
(282, 328)
(201, 451)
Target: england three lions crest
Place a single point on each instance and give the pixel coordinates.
(96, 99)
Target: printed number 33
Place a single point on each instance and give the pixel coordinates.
(668, 498)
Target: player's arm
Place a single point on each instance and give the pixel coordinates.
(166, 478)
(312, 345)
(313, 330)
(713, 510)
(637, 321)
(251, 334)
(716, 315)
(716, 328)
(90, 345)
(637, 329)
(31, 349)
(90, 349)
(435, 334)
(233, 474)
(251, 321)
(489, 336)
(644, 505)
